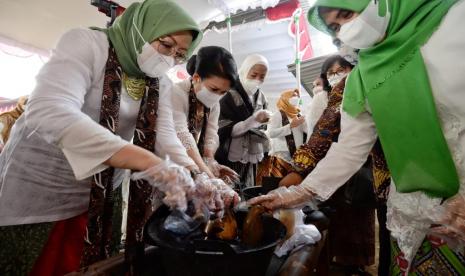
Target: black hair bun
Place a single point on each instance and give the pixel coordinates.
(191, 64)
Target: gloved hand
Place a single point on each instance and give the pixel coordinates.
(284, 197)
(228, 195)
(452, 216)
(205, 193)
(171, 179)
(214, 193)
(225, 173)
(262, 116)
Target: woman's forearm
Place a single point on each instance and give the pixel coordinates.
(195, 155)
(134, 158)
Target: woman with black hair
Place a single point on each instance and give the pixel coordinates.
(69, 151)
(196, 108)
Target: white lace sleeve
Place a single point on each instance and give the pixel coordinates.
(167, 143)
(187, 140)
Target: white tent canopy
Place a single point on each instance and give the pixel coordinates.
(39, 24)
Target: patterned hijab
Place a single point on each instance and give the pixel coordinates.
(284, 105)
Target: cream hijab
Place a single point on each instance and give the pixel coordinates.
(248, 63)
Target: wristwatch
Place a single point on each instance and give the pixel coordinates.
(195, 172)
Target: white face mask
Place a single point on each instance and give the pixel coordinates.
(208, 98)
(367, 29)
(317, 89)
(150, 61)
(294, 101)
(251, 86)
(334, 80)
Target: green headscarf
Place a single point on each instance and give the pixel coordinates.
(153, 18)
(392, 77)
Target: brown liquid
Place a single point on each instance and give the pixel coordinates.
(252, 229)
(287, 217)
(224, 228)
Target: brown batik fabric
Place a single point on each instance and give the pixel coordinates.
(140, 192)
(325, 133)
(381, 174)
(197, 119)
(272, 166)
(99, 226)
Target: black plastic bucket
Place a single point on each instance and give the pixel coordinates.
(212, 257)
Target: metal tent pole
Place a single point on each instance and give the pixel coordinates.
(228, 22)
(296, 15)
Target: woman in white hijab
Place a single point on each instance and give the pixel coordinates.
(243, 120)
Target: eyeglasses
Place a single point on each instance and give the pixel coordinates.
(339, 70)
(167, 46)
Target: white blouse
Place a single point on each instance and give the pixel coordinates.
(408, 213)
(180, 102)
(58, 144)
(277, 132)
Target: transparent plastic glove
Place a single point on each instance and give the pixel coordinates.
(262, 116)
(223, 172)
(183, 223)
(204, 193)
(213, 193)
(291, 197)
(228, 195)
(171, 179)
(451, 215)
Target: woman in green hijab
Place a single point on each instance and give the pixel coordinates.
(100, 89)
(408, 89)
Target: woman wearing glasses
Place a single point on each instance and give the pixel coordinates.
(100, 89)
(407, 89)
(196, 107)
(352, 226)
